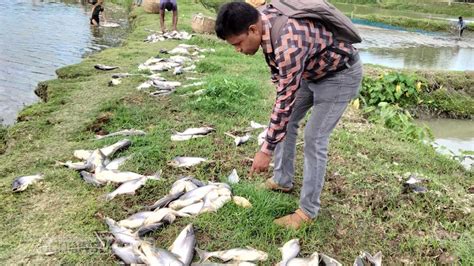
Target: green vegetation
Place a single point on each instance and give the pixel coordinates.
(364, 205)
(427, 6)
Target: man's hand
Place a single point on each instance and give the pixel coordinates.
(261, 161)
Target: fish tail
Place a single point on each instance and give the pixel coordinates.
(110, 196)
(203, 255)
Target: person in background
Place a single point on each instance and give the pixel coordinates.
(461, 26)
(168, 5)
(95, 13)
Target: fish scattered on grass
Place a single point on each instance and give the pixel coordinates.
(326, 260)
(413, 184)
(313, 260)
(90, 178)
(186, 161)
(163, 202)
(125, 132)
(239, 140)
(116, 163)
(114, 82)
(365, 259)
(237, 254)
(290, 250)
(256, 125)
(126, 254)
(261, 137)
(105, 67)
(191, 133)
(184, 244)
(109, 151)
(157, 256)
(241, 201)
(122, 234)
(21, 183)
(130, 187)
(233, 178)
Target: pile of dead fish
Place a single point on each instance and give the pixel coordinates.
(98, 169)
(182, 60)
(173, 35)
(291, 249)
(180, 253)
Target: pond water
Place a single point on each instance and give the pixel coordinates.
(37, 37)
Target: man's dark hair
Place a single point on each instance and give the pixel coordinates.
(460, 18)
(234, 18)
(169, 6)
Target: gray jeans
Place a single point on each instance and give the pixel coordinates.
(329, 98)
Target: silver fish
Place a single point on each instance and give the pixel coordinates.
(114, 176)
(178, 70)
(241, 140)
(233, 178)
(78, 166)
(125, 132)
(22, 182)
(176, 137)
(220, 202)
(115, 82)
(126, 254)
(238, 254)
(365, 259)
(191, 210)
(160, 215)
(313, 260)
(179, 59)
(261, 137)
(186, 184)
(105, 67)
(183, 246)
(196, 131)
(290, 250)
(179, 50)
(116, 163)
(191, 197)
(328, 260)
(256, 125)
(109, 151)
(165, 85)
(130, 187)
(122, 234)
(186, 161)
(136, 220)
(146, 229)
(163, 202)
(157, 256)
(90, 178)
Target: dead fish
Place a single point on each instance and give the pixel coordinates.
(179, 50)
(105, 67)
(163, 202)
(122, 234)
(237, 254)
(231, 263)
(220, 202)
(328, 260)
(241, 140)
(146, 229)
(290, 250)
(153, 60)
(190, 68)
(115, 176)
(233, 178)
(176, 137)
(196, 131)
(90, 178)
(165, 85)
(313, 260)
(191, 210)
(191, 197)
(78, 166)
(178, 70)
(115, 82)
(136, 220)
(365, 259)
(242, 202)
(160, 66)
(179, 59)
(157, 256)
(130, 187)
(186, 161)
(161, 93)
(109, 151)
(159, 215)
(183, 246)
(256, 125)
(145, 85)
(126, 132)
(126, 254)
(22, 182)
(116, 163)
(124, 75)
(183, 184)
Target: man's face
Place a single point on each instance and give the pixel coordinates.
(247, 42)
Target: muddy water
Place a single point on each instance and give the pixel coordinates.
(37, 37)
(453, 138)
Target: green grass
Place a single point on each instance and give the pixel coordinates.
(364, 208)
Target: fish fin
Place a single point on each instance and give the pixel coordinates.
(203, 255)
(146, 229)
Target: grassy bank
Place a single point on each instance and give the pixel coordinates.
(364, 205)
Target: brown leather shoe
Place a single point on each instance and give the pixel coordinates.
(294, 220)
(272, 185)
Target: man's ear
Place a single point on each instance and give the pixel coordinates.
(253, 29)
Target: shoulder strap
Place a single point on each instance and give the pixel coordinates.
(277, 27)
